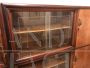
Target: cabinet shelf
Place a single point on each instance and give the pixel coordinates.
(39, 56)
(40, 29)
(44, 16)
(52, 64)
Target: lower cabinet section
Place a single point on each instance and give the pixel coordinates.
(37, 64)
(55, 61)
(82, 57)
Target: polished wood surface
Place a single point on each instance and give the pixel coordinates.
(0, 48)
(1, 52)
(82, 57)
(0, 37)
(83, 33)
(82, 54)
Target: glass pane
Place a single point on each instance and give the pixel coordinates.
(29, 31)
(61, 25)
(36, 31)
(56, 61)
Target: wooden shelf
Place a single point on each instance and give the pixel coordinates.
(39, 56)
(44, 16)
(40, 29)
(52, 64)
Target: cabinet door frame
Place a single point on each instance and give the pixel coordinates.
(9, 9)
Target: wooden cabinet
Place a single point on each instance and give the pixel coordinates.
(39, 36)
(46, 36)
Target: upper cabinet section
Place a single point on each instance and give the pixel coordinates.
(42, 30)
(35, 29)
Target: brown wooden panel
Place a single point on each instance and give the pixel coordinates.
(0, 35)
(1, 49)
(83, 34)
(82, 56)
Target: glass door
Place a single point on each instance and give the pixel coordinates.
(36, 32)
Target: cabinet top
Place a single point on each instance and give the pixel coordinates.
(45, 6)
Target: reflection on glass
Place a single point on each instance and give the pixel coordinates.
(42, 30)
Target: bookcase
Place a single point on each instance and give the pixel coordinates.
(39, 36)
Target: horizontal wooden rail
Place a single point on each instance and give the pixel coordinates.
(40, 56)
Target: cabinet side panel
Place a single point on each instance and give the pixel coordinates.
(82, 54)
(83, 34)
